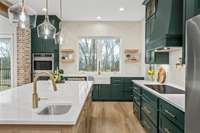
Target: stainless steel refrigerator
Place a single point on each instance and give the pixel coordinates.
(192, 117)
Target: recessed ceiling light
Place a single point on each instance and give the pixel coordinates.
(44, 9)
(121, 9)
(99, 17)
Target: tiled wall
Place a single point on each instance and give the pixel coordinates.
(175, 74)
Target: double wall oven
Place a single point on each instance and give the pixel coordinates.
(42, 62)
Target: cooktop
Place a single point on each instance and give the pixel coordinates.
(166, 89)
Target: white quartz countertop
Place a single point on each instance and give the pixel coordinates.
(101, 75)
(16, 103)
(177, 100)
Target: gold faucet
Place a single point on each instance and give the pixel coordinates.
(35, 98)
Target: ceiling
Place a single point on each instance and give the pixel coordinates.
(88, 10)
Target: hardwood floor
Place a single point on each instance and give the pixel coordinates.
(114, 117)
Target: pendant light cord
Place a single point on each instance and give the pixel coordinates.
(47, 11)
(23, 3)
(61, 9)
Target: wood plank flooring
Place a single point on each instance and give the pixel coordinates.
(114, 117)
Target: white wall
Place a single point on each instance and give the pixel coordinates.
(9, 29)
(130, 33)
(176, 75)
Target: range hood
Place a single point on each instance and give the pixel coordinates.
(166, 25)
(168, 49)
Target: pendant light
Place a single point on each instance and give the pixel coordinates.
(58, 36)
(46, 30)
(22, 14)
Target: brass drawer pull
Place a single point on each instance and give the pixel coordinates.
(167, 130)
(146, 110)
(169, 113)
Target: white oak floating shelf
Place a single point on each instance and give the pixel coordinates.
(131, 55)
(66, 50)
(67, 55)
(132, 61)
(67, 61)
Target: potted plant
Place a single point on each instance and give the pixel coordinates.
(58, 76)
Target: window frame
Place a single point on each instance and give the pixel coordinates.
(98, 55)
(13, 51)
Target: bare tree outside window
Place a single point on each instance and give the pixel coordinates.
(87, 55)
(5, 75)
(103, 50)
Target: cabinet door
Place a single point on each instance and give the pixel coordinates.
(105, 92)
(192, 8)
(127, 90)
(117, 91)
(136, 111)
(166, 126)
(95, 92)
(161, 57)
(147, 35)
(147, 124)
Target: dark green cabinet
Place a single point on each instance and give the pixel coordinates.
(101, 92)
(117, 91)
(192, 8)
(164, 28)
(166, 126)
(39, 45)
(155, 114)
(105, 92)
(147, 124)
(152, 57)
(173, 114)
(95, 92)
(120, 89)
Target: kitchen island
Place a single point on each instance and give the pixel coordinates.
(17, 115)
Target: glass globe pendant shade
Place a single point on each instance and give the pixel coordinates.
(22, 14)
(46, 30)
(58, 38)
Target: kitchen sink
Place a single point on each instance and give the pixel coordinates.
(55, 110)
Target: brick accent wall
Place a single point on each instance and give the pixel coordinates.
(23, 56)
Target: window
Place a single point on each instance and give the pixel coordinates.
(99, 54)
(5, 63)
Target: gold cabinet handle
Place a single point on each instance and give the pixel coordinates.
(170, 114)
(167, 130)
(146, 110)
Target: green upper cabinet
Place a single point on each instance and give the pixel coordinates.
(40, 45)
(164, 28)
(192, 8)
(152, 57)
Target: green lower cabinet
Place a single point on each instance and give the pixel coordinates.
(147, 124)
(95, 92)
(117, 92)
(136, 111)
(105, 92)
(166, 126)
(150, 111)
(120, 89)
(128, 89)
(173, 114)
(155, 114)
